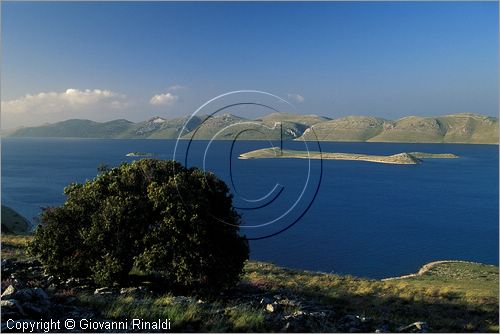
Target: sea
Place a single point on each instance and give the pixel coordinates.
(346, 217)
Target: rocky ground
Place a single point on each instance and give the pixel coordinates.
(29, 295)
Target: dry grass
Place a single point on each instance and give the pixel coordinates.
(452, 297)
(14, 246)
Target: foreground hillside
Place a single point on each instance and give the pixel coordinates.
(459, 128)
(445, 297)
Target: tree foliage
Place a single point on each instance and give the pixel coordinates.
(150, 214)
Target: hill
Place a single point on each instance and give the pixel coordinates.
(228, 126)
(77, 128)
(351, 128)
(458, 128)
(13, 222)
(461, 128)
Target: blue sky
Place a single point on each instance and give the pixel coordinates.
(128, 60)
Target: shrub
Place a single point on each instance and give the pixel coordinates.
(155, 215)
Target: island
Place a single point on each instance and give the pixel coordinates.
(404, 158)
(139, 154)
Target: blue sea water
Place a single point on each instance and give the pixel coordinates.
(350, 217)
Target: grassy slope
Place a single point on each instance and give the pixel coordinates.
(453, 297)
(450, 297)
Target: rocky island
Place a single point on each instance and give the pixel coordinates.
(139, 154)
(412, 158)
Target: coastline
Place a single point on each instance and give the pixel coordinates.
(428, 266)
(7, 136)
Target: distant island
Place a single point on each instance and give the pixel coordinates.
(463, 128)
(139, 154)
(411, 158)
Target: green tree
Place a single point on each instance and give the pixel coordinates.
(156, 215)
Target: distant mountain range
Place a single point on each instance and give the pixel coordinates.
(458, 128)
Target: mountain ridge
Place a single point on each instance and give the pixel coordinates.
(467, 128)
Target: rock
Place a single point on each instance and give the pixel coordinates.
(266, 300)
(34, 310)
(7, 266)
(103, 291)
(304, 321)
(8, 292)
(8, 303)
(52, 288)
(274, 307)
(316, 314)
(288, 302)
(39, 294)
(50, 279)
(355, 323)
(72, 282)
(128, 291)
(11, 305)
(31, 294)
(133, 290)
(416, 327)
(287, 327)
(183, 300)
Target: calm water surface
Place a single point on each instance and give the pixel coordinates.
(367, 219)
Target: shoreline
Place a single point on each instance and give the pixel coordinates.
(259, 140)
(428, 266)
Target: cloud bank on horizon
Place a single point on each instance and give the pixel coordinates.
(95, 104)
(50, 106)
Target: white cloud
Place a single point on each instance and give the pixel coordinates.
(166, 99)
(296, 97)
(69, 100)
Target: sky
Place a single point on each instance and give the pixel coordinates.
(136, 60)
